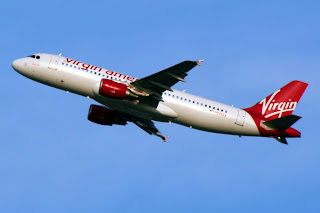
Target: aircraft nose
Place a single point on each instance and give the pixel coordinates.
(17, 65)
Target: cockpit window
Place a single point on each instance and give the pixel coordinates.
(34, 56)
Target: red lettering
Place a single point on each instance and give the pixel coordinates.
(119, 75)
(85, 66)
(220, 114)
(69, 60)
(130, 78)
(108, 72)
(94, 68)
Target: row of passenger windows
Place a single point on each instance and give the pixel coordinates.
(195, 102)
(90, 71)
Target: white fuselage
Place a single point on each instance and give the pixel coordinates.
(178, 107)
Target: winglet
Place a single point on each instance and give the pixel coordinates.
(165, 138)
(200, 62)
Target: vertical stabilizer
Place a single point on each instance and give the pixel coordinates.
(281, 103)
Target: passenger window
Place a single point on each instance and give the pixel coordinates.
(181, 98)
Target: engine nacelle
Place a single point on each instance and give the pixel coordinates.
(112, 89)
(104, 116)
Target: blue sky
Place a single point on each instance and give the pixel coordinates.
(53, 160)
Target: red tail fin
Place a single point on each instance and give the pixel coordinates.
(280, 103)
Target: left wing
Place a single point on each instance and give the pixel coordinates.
(154, 85)
(148, 126)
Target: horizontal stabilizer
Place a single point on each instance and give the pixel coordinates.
(282, 123)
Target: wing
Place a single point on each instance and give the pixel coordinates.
(148, 126)
(145, 124)
(154, 85)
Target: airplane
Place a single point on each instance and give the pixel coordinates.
(141, 101)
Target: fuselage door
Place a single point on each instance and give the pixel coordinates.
(53, 64)
(241, 117)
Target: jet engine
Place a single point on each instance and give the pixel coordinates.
(112, 89)
(104, 116)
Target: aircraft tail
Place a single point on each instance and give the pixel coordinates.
(281, 103)
(273, 115)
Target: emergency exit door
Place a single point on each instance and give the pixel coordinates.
(241, 117)
(53, 64)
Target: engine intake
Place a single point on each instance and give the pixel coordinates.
(104, 116)
(115, 90)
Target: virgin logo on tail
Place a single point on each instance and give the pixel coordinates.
(280, 103)
(271, 105)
